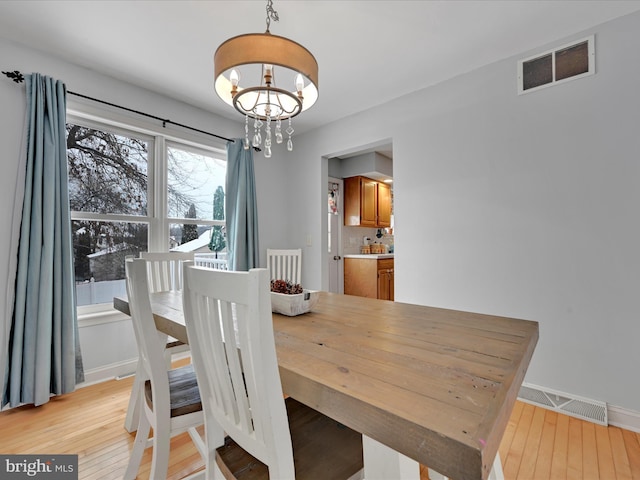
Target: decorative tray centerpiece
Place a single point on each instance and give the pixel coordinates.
(291, 299)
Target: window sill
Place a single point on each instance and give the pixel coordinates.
(90, 317)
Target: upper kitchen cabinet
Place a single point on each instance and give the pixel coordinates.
(384, 205)
(367, 203)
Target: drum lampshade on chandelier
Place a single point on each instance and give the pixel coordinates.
(246, 68)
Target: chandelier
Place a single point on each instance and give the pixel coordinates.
(246, 68)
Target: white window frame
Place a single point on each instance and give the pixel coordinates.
(158, 223)
(592, 65)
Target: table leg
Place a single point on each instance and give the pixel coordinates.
(383, 463)
(496, 471)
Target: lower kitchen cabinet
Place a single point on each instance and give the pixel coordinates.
(385, 279)
(371, 278)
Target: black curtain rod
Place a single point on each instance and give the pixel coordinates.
(18, 77)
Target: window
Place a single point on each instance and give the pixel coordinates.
(568, 62)
(132, 191)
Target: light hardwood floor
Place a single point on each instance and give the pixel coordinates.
(538, 444)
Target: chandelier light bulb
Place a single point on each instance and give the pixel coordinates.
(268, 74)
(299, 82)
(234, 76)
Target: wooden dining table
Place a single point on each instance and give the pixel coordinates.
(423, 385)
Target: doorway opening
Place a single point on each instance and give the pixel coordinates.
(374, 162)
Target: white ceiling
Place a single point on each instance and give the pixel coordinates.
(368, 52)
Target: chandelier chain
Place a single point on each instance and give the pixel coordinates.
(271, 14)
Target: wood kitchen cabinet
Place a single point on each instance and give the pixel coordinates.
(385, 279)
(367, 203)
(384, 205)
(371, 278)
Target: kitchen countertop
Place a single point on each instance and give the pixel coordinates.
(372, 256)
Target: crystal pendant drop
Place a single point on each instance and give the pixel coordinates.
(246, 132)
(267, 139)
(268, 132)
(290, 131)
(279, 131)
(257, 137)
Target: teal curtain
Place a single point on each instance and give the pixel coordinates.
(241, 208)
(44, 351)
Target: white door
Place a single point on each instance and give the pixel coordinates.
(334, 257)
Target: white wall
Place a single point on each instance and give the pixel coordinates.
(112, 343)
(524, 206)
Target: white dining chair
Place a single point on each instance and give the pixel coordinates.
(229, 325)
(170, 399)
(285, 264)
(164, 274)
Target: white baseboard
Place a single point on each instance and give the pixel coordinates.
(118, 370)
(624, 418)
(109, 372)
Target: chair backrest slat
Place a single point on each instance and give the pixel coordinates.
(285, 264)
(229, 324)
(164, 270)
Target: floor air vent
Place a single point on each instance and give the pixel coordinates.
(585, 409)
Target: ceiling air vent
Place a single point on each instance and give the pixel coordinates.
(568, 62)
